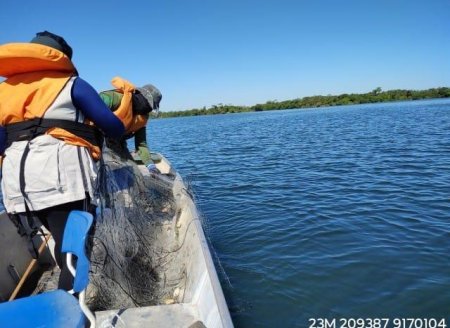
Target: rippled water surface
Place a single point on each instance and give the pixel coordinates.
(333, 212)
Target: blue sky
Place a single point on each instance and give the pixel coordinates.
(242, 52)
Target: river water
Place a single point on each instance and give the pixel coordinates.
(323, 213)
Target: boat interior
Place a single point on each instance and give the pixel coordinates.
(178, 282)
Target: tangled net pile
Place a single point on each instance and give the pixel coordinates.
(124, 259)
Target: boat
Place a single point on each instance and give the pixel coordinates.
(196, 302)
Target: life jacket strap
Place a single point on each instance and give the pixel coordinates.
(30, 129)
(27, 227)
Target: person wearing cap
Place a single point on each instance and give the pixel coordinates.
(145, 100)
(48, 143)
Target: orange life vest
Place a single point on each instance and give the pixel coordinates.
(35, 74)
(124, 112)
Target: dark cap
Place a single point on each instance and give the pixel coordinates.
(52, 40)
(152, 94)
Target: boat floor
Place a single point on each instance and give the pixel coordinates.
(48, 281)
(151, 316)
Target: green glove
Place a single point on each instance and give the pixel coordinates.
(140, 144)
(144, 154)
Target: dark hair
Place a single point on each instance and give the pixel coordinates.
(52, 40)
(140, 104)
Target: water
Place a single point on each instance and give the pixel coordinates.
(336, 212)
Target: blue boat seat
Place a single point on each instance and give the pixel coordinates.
(58, 308)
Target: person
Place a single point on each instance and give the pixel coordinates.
(47, 139)
(145, 99)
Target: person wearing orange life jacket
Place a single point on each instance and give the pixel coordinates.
(48, 143)
(145, 100)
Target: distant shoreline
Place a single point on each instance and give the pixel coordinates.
(375, 96)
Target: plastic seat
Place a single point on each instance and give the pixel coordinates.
(58, 308)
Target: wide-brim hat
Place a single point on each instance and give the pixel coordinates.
(152, 94)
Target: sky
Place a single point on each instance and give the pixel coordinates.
(242, 52)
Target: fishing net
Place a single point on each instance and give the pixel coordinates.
(136, 248)
(127, 254)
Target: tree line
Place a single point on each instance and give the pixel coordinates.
(375, 96)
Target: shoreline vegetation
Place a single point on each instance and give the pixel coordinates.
(375, 96)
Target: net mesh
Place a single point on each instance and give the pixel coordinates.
(127, 262)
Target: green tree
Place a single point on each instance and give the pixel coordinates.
(376, 91)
